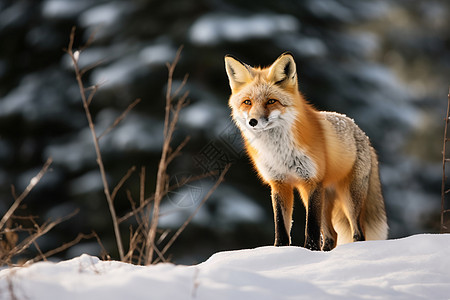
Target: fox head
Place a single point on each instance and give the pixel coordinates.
(263, 98)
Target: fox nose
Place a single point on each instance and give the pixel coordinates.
(253, 122)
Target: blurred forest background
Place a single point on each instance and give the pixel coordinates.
(384, 63)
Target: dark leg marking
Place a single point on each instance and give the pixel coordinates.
(281, 234)
(313, 220)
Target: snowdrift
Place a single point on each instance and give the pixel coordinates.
(416, 267)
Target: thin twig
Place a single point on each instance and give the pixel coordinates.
(40, 231)
(35, 180)
(182, 85)
(176, 114)
(121, 182)
(92, 66)
(120, 118)
(171, 68)
(141, 207)
(161, 179)
(177, 151)
(78, 76)
(105, 255)
(134, 240)
(39, 250)
(134, 211)
(444, 159)
(93, 90)
(89, 41)
(163, 236)
(65, 246)
(142, 186)
(188, 220)
(160, 255)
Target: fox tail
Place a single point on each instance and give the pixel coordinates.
(375, 221)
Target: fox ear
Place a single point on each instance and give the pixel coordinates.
(238, 72)
(283, 70)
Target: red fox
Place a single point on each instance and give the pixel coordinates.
(324, 155)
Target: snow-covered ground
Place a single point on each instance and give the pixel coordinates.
(417, 267)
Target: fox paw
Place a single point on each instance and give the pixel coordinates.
(328, 244)
(312, 245)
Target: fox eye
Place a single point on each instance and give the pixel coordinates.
(247, 102)
(271, 101)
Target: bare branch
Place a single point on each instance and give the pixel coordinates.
(105, 253)
(92, 93)
(161, 179)
(120, 118)
(188, 220)
(13, 192)
(160, 255)
(40, 231)
(92, 66)
(89, 41)
(95, 140)
(71, 40)
(182, 85)
(169, 97)
(142, 186)
(121, 182)
(163, 236)
(35, 180)
(137, 210)
(39, 250)
(178, 150)
(176, 114)
(133, 245)
(133, 212)
(444, 160)
(65, 246)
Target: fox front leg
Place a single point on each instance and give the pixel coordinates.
(283, 203)
(313, 219)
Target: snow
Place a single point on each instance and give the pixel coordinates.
(87, 183)
(105, 14)
(417, 267)
(303, 45)
(127, 65)
(60, 9)
(202, 114)
(214, 28)
(119, 73)
(158, 54)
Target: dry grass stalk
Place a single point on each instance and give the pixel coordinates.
(167, 155)
(65, 246)
(87, 99)
(144, 205)
(143, 241)
(444, 191)
(9, 246)
(35, 233)
(188, 220)
(35, 180)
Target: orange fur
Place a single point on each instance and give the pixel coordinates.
(325, 156)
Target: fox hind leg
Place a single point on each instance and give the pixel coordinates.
(283, 204)
(354, 197)
(329, 235)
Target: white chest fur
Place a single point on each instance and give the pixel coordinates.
(279, 159)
